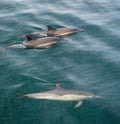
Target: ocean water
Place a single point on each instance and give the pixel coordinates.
(88, 61)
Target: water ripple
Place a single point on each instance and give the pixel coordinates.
(88, 60)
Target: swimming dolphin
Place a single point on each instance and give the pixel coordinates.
(59, 32)
(41, 42)
(62, 94)
(36, 43)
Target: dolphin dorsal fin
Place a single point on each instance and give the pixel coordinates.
(50, 28)
(59, 87)
(28, 38)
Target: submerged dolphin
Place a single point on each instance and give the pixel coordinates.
(37, 43)
(59, 32)
(62, 94)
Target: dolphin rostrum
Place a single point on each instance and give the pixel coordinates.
(59, 32)
(62, 94)
(36, 43)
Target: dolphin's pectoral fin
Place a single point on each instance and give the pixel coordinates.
(78, 104)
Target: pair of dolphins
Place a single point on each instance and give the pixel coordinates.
(53, 37)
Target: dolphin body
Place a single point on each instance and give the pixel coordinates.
(59, 32)
(62, 94)
(41, 42)
(36, 43)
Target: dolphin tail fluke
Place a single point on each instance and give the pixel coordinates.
(21, 96)
(17, 46)
(78, 104)
(2, 49)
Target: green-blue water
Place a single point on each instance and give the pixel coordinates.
(88, 61)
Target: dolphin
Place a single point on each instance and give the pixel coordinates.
(62, 94)
(40, 42)
(29, 42)
(59, 32)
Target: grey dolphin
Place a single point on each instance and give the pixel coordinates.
(36, 43)
(62, 94)
(59, 32)
(41, 42)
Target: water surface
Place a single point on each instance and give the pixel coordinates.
(88, 61)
